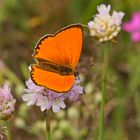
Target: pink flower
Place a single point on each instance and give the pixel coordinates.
(46, 99)
(133, 27)
(7, 102)
(75, 91)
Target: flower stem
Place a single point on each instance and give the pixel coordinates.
(9, 137)
(48, 128)
(104, 79)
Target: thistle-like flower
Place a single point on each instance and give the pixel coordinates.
(105, 26)
(7, 102)
(47, 99)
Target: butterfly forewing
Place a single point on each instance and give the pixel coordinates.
(62, 48)
(71, 41)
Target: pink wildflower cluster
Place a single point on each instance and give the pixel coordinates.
(7, 102)
(47, 99)
(133, 27)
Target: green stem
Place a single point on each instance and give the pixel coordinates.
(9, 137)
(48, 128)
(104, 80)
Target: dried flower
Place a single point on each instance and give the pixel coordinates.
(3, 132)
(7, 102)
(105, 26)
(133, 27)
(47, 99)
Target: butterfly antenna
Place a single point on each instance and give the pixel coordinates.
(81, 83)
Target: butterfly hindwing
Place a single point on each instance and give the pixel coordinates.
(51, 80)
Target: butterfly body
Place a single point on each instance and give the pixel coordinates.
(57, 56)
(52, 67)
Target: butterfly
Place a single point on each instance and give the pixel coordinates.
(57, 56)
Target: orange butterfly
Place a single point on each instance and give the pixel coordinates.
(57, 56)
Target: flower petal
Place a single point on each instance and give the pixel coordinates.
(55, 108)
(135, 36)
(62, 104)
(28, 97)
(43, 102)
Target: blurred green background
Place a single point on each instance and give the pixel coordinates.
(22, 23)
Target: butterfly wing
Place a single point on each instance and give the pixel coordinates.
(63, 48)
(51, 80)
(71, 40)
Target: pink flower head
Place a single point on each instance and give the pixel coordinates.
(47, 99)
(133, 27)
(7, 102)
